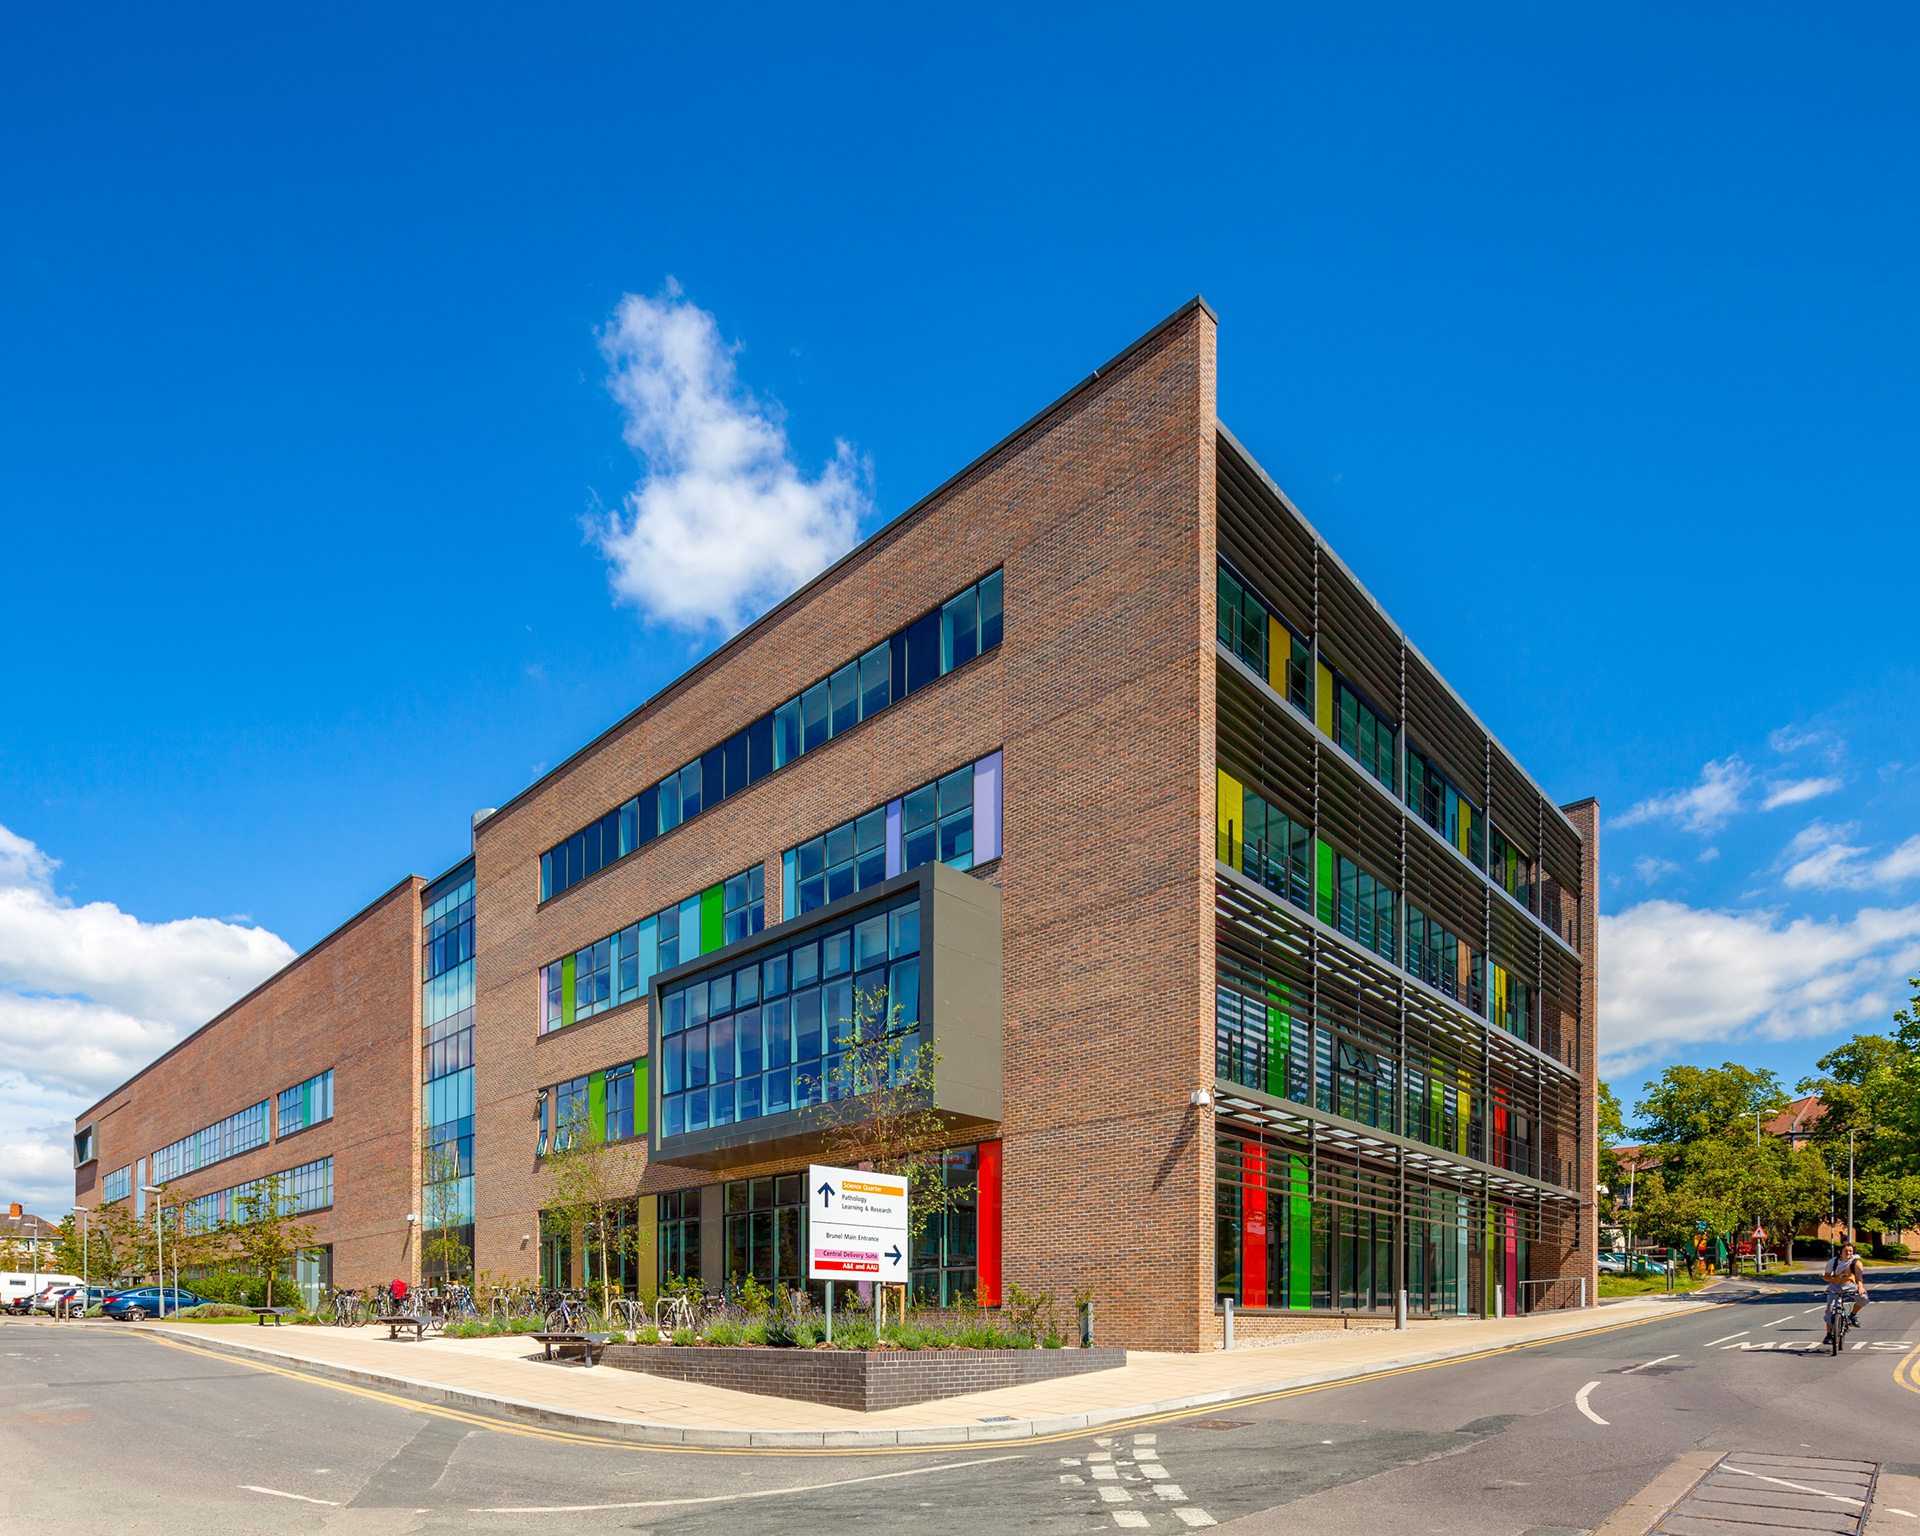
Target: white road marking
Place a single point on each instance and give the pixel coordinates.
(1073, 1479)
(1144, 1439)
(1069, 1461)
(1131, 1518)
(1100, 1456)
(725, 1498)
(1115, 1495)
(1907, 1512)
(1580, 1402)
(1106, 1474)
(1152, 1470)
(1740, 1335)
(1645, 1363)
(1838, 1498)
(1196, 1517)
(1171, 1492)
(278, 1494)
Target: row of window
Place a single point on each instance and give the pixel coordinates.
(1445, 961)
(616, 969)
(446, 931)
(1258, 637)
(1366, 910)
(933, 645)
(771, 1036)
(955, 819)
(118, 1184)
(610, 1105)
(239, 1132)
(1264, 641)
(307, 1103)
(306, 1188)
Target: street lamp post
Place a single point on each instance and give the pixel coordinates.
(1850, 1236)
(86, 1279)
(159, 1244)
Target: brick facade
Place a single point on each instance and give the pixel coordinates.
(1101, 513)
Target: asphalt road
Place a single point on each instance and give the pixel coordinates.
(105, 1431)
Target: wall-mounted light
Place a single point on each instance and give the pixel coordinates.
(412, 1217)
(1200, 1098)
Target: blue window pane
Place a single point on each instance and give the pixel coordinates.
(906, 929)
(812, 857)
(903, 996)
(676, 1115)
(814, 719)
(698, 1002)
(697, 1110)
(923, 651)
(777, 1091)
(690, 798)
(673, 1012)
(875, 680)
(746, 1041)
(838, 845)
(696, 1057)
(960, 630)
(773, 976)
(669, 802)
(918, 848)
(806, 965)
(733, 756)
(837, 953)
(720, 1038)
(720, 995)
(806, 1085)
(786, 733)
(813, 893)
(837, 1000)
(673, 1076)
(956, 791)
(956, 840)
(746, 986)
(749, 1098)
(546, 875)
(870, 941)
(990, 624)
(846, 698)
(723, 1104)
(806, 1024)
(839, 882)
(779, 1044)
(871, 868)
(870, 831)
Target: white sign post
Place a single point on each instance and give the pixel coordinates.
(856, 1228)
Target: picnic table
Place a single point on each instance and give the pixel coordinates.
(398, 1320)
(588, 1342)
(278, 1314)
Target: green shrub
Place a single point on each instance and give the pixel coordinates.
(648, 1334)
(239, 1290)
(527, 1325)
(683, 1337)
(212, 1309)
(1892, 1251)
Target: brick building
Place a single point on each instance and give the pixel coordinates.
(1257, 969)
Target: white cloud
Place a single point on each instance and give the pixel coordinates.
(1823, 859)
(1794, 791)
(89, 995)
(1672, 976)
(1705, 807)
(723, 522)
(1651, 869)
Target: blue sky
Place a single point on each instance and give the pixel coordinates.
(1584, 334)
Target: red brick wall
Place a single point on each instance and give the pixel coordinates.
(1102, 697)
(351, 1003)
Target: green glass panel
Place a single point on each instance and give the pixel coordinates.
(1299, 1235)
(713, 924)
(640, 1099)
(1279, 1036)
(1323, 881)
(566, 990)
(597, 1106)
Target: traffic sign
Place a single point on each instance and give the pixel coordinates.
(856, 1225)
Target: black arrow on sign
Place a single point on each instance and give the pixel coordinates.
(826, 1194)
(892, 1253)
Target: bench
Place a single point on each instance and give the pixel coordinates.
(396, 1321)
(588, 1342)
(278, 1314)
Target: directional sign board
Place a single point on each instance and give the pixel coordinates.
(856, 1226)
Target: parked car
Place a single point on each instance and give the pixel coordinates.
(20, 1287)
(148, 1301)
(1613, 1263)
(83, 1298)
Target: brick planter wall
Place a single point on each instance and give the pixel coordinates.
(866, 1380)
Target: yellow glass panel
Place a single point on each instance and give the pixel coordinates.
(1279, 648)
(1230, 805)
(1323, 698)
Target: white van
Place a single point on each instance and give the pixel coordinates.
(18, 1287)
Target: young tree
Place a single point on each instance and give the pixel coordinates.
(441, 1250)
(263, 1234)
(590, 1184)
(878, 1111)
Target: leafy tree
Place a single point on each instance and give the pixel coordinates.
(590, 1186)
(1870, 1088)
(1613, 1125)
(441, 1250)
(1688, 1103)
(264, 1236)
(879, 1111)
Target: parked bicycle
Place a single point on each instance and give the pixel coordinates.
(350, 1309)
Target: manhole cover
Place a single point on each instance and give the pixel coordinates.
(1752, 1493)
(1217, 1423)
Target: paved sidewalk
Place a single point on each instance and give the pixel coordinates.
(506, 1376)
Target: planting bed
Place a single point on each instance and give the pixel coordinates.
(866, 1380)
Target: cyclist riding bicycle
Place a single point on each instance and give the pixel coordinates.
(1844, 1269)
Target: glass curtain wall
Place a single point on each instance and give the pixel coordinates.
(446, 969)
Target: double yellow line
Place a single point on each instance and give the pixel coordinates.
(1907, 1372)
(1117, 1426)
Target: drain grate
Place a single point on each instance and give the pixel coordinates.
(1216, 1424)
(1753, 1493)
